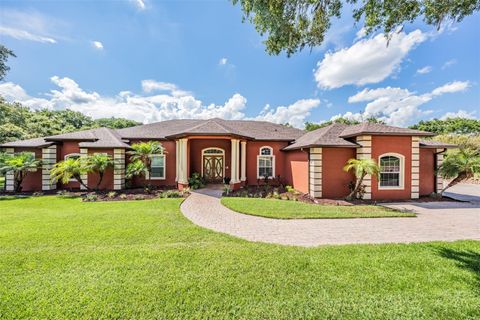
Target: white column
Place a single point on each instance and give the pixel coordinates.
(118, 169)
(182, 161)
(243, 165)
(9, 178)
(415, 191)
(49, 158)
(315, 172)
(439, 163)
(234, 159)
(84, 177)
(365, 152)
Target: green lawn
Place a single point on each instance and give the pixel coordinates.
(282, 209)
(64, 259)
(2, 183)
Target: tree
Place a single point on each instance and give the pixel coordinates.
(5, 53)
(360, 167)
(459, 166)
(64, 171)
(291, 25)
(20, 164)
(98, 163)
(142, 153)
(115, 123)
(310, 126)
(450, 125)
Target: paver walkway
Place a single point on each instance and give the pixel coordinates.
(435, 221)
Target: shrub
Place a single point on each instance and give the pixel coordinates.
(91, 197)
(139, 197)
(289, 189)
(65, 194)
(123, 196)
(111, 194)
(196, 181)
(227, 180)
(171, 194)
(226, 190)
(37, 194)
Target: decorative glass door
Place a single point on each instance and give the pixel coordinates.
(213, 168)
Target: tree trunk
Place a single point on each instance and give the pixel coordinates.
(100, 174)
(461, 176)
(17, 180)
(82, 183)
(358, 184)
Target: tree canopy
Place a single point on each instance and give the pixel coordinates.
(18, 122)
(291, 25)
(310, 126)
(5, 53)
(449, 125)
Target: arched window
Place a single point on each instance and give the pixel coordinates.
(72, 156)
(391, 171)
(265, 163)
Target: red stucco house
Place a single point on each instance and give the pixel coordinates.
(246, 151)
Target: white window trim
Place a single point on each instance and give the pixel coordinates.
(164, 167)
(402, 172)
(272, 155)
(216, 154)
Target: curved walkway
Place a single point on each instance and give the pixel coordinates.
(446, 221)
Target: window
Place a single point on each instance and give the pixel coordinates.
(158, 166)
(391, 171)
(72, 156)
(266, 163)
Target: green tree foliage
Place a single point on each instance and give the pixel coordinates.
(310, 126)
(67, 169)
(141, 157)
(18, 122)
(99, 163)
(360, 167)
(5, 53)
(291, 25)
(20, 164)
(449, 125)
(459, 166)
(463, 141)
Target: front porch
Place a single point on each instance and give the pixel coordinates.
(213, 157)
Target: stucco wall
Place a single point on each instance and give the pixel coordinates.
(195, 155)
(33, 180)
(393, 144)
(427, 171)
(170, 173)
(253, 149)
(63, 149)
(296, 170)
(334, 180)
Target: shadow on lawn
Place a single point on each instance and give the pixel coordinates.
(465, 259)
(5, 198)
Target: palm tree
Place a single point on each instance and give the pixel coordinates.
(64, 171)
(98, 163)
(20, 164)
(459, 166)
(360, 167)
(143, 152)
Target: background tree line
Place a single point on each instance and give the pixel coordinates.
(18, 122)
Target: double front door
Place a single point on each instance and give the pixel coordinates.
(213, 168)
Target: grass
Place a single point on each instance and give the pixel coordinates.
(2, 183)
(64, 259)
(282, 209)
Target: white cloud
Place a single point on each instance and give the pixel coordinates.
(25, 35)
(97, 45)
(449, 63)
(360, 34)
(159, 101)
(367, 61)
(459, 114)
(455, 86)
(397, 106)
(223, 61)
(139, 4)
(424, 70)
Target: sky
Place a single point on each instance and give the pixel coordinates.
(156, 60)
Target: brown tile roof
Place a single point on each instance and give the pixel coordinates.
(106, 138)
(380, 129)
(30, 143)
(327, 136)
(258, 130)
(436, 144)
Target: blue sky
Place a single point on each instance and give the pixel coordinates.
(156, 60)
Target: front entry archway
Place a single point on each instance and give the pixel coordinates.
(213, 164)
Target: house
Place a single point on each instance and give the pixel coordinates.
(247, 151)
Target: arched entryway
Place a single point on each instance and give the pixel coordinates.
(213, 164)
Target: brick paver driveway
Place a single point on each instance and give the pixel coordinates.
(435, 221)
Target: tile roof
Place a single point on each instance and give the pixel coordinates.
(106, 138)
(436, 144)
(258, 130)
(327, 136)
(30, 143)
(380, 129)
